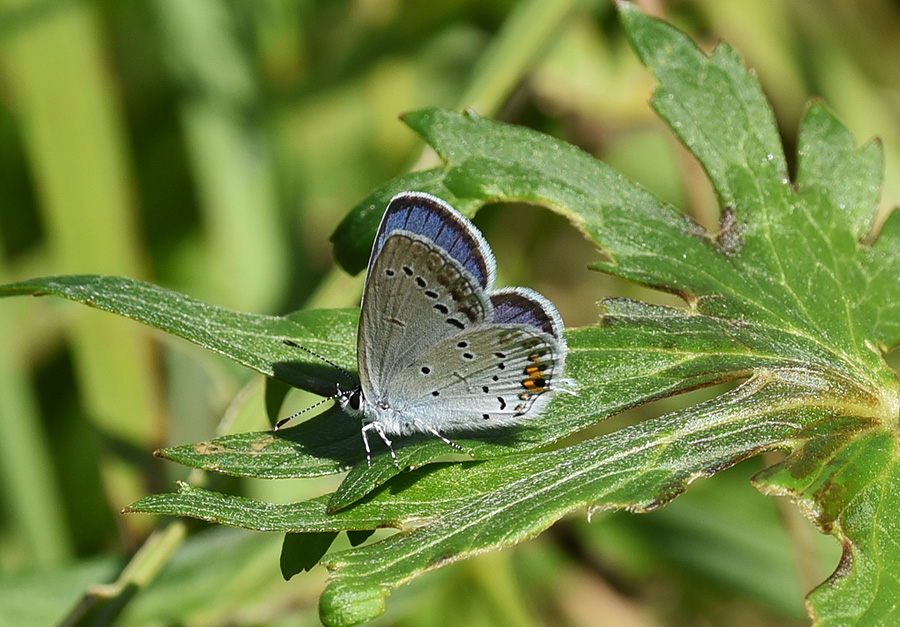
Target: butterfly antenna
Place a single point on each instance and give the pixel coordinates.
(281, 423)
(284, 421)
(293, 344)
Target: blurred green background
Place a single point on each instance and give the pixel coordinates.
(211, 146)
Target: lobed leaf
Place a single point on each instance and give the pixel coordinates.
(791, 278)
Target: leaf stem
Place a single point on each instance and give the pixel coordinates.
(102, 603)
(526, 34)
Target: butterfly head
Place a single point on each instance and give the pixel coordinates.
(351, 401)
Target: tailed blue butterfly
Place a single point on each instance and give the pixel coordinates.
(438, 350)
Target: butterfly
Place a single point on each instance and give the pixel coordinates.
(438, 349)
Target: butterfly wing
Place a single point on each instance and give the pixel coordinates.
(520, 305)
(422, 286)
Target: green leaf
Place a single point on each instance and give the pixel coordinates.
(302, 551)
(718, 110)
(253, 340)
(848, 482)
(450, 510)
(322, 445)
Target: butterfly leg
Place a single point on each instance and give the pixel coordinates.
(376, 426)
(437, 433)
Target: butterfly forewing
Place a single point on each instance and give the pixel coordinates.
(415, 295)
(437, 221)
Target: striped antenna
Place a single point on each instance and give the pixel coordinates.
(281, 423)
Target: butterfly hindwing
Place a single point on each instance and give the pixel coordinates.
(520, 305)
(493, 375)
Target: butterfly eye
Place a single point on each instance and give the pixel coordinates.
(355, 400)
